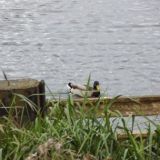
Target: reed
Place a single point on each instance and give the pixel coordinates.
(73, 133)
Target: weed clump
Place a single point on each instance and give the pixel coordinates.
(69, 132)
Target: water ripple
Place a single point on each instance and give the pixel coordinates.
(116, 41)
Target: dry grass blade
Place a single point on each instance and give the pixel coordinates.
(88, 157)
(43, 149)
(5, 77)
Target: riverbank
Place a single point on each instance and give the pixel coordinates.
(71, 133)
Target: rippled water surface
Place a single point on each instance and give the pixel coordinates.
(118, 42)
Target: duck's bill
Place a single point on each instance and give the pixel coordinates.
(98, 88)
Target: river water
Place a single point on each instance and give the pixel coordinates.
(117, 42)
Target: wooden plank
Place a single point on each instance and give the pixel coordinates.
(29, 88)
(42, 97)
(124, 136)
(135, 105)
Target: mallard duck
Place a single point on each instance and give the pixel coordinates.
(84, 90)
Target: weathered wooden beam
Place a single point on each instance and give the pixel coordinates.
(42, 97)
(135, 105)
(135, 134)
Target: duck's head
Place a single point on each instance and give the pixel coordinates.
(96, 86)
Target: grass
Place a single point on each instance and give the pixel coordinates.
(71, 133)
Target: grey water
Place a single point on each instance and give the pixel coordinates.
(117, 42)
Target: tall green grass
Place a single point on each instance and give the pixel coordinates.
(69, 132)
